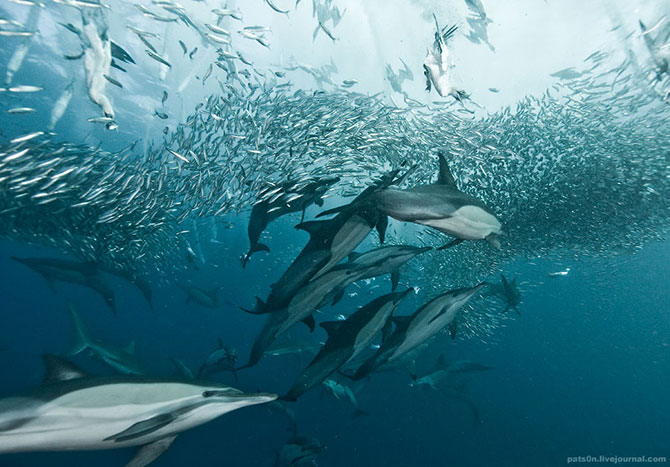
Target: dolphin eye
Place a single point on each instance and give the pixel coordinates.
(209, 394)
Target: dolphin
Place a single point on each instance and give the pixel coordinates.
(299, 451)
(74, 272)
(289, 345)
(122, 360)
(142, 283)
(330, 286)
(330, 241)
(346, 339)
(442, 369)
(340, 392)
(387, 259)
(74, 411)
(507, 291)
(512, 294)
(221, 359)
(286, 200)
(444, 207)
(203, 297)
(412, 331)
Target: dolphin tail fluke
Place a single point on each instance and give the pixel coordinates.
(259, 309)
(359, 413)
(452, 243)
(252, 250)
(83, 341)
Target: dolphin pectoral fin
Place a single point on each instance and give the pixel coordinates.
(395, 279)
(311, 227)
(338, 296)
(452, 329)
(381, 226)
(506, 309)
(386, 330)
(59, 370)
(310, 323)
(493, 240)
(455, 242)
(401, 321)
(150, 452)
(517, 310)
(143, 428)
(330, 212)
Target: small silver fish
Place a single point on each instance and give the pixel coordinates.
(158, 58)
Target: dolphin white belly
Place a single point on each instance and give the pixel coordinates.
(467, 223)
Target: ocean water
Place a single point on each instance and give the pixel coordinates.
(553, 115)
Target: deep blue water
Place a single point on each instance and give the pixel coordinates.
(582, 371)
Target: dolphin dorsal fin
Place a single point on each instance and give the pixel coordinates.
(444, 176)
(59, 369)
(331, 327)
(130, 348)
